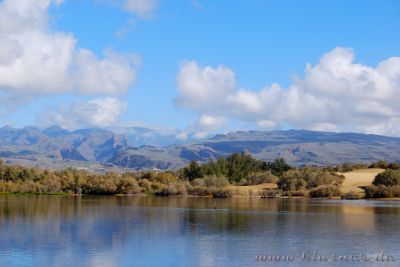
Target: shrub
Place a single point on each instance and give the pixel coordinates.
(308, 178)
(261, 178)
(198, 182)
(382, 191)
(165, 178)
(299, 193)
(148, 175)
(182, 189)
(347, 167)
(216, 182)
(199, 191)
(145, 185)
(157, 187)
(127, 186)
(325, 191)
(221, 193)
(99, 185)
(351, 195)
(382, 164)
(394, 166)
(388, 178)
(291, 181)
(168, 190)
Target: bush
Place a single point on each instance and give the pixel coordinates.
(148, 175)
(291, 181)
(221, 193)
(388, 178)
(199, 191)
(308, 178)
(325, 191)
(169, 190)
(145, 185)
(394, 166)
(347, 167)
(381, 164)
(165, 178)
(157, 187)
(182, 188)
(216, 182)
(351, 195)
(261, 178)
(128, 186)
(198, 182)
(382, 191)
(298, 193)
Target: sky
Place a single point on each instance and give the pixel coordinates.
(201, 66)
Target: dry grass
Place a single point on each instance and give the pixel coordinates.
(250, 190)
(357, 178)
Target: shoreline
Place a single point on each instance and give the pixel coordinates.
(189, 196)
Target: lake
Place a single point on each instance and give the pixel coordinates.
(150, 231)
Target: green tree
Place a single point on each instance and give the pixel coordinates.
(193, 171)
(240, 166)
(277, 167)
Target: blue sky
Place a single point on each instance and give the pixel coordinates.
(261, 42)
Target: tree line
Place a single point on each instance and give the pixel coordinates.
(212, 178)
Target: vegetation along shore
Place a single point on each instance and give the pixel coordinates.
(236, 175)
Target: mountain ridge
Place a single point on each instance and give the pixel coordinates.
(99, 149)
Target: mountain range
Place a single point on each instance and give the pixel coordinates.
(101, 150)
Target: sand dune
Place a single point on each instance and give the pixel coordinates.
(353, 181)
(357, 178)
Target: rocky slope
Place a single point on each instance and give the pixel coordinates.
(57, 148)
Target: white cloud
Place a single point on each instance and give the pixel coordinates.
(182, 136)
(98, 112)
(203, 88)
(141, 8)
(336, 94)
(210, 123)
(36, 60)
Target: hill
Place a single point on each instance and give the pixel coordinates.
(103, 149)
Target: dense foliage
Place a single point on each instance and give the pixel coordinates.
(209, 179)
(388, 178)
(308, 178)
(238, 168)
(382, 164)
(325, 191)
(385, 184)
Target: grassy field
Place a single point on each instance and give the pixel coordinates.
(357, 178)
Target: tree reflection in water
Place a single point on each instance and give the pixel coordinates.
(53, 230)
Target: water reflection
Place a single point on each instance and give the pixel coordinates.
(145, 231)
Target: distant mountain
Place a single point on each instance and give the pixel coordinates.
(141, 136)
(54, 143)
(142, 148)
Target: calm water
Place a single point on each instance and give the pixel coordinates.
(144, 231)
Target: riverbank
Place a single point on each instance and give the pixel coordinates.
(268, 180)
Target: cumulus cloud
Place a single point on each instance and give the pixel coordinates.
(36, 60)
(336, 94)
(98, 112)
(210, 123)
